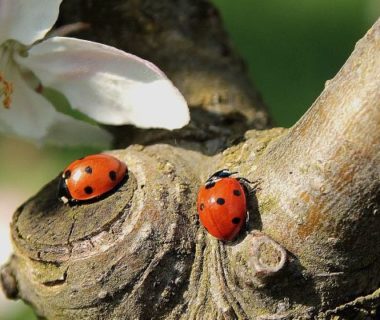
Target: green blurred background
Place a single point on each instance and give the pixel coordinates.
(291, 47)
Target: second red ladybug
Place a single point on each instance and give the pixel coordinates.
(91, 177)
(222, 205)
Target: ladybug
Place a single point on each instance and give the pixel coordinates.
(221, 205)
(90, 177)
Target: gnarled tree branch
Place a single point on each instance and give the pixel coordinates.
(310, 247)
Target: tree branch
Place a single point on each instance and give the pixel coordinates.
(309, 249)
(323, 175)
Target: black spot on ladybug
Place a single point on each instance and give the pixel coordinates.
(220, 201)
(210, 185)
(67, 174)
(112, 175)
(88, 190)
(236, 192)
(235, 220)
(202, 206)
(88, 170)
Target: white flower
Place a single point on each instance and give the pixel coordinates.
(106, 84)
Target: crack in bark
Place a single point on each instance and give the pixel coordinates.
(57, 282)
(368, 302)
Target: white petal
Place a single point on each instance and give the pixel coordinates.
(32, 117)
(107, 84)
(27, 20)
(67, 131)
(29, 114)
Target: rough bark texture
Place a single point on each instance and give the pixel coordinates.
(311, 245)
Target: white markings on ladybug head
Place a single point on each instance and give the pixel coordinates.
(218, 175)
(64, 199)
(210, 184)
(224, 173)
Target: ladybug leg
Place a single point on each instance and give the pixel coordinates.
(256, 185)
(244, 180)
(249, 186)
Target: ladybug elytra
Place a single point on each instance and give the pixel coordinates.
(222, 205)
(91, 177)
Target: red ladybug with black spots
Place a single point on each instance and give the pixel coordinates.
(91, 177)
(222, 205)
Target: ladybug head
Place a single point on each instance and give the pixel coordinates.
(63, 192)
(224, 173)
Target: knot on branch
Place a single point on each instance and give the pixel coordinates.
(104, 255)
(268, 257)
(8, 282)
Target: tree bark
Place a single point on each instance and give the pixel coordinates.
(311, 246)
